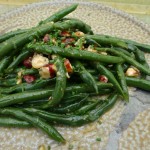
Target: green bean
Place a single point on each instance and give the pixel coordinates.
(54, 18)
(35, 121)
(104, 71)
(71, 120)
(24, 96)
(100, 110)
(75, 120)
(102, 92)
(27, 86)
(130, 54)
(60, 86)
(6, 121)
(12, 34)
(41, 94)
(125, 66)
(141, 59)
(10, 76)
(2, 95)
(92, 71)
(92, 42)
(140, 55)
(85, 75)
(87, 107)
(102, 40)
(122, 80)
(33, 104)
(83, 88)
(71, 98)
(25, 71)
(16, 42)
(143, 47)
(17, 61)
(85, 29)
(139, 83)
(71, 107)
(4, 63)
(67, 99)
(60, 14)
(8, 82)
(127, 59)
(74, 53)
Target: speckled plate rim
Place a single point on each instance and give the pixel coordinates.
(125, 15)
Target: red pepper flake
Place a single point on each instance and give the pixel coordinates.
(103, 78)
(65, 33)
(68, 66)
(29, 78)
(27, 62)
(46, 38)
(52, 70)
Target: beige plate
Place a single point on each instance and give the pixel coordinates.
(103, 20)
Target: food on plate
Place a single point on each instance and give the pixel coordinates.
(56, 72)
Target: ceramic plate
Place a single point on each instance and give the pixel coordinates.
(115, 131)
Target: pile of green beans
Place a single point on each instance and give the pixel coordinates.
(81, 66)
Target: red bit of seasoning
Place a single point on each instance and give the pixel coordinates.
(68, 41)
(29, 78)
(103, 78)
(27, 62)
(65, 33)
(68, 66)
(46, 38)
(52, 70)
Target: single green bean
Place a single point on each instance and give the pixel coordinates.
(102, 40)
(122, 80)
(130, 54)
(60, 86)
(35, 121)
(12, 34)
(6, 121)
(139, 83)
(4, 63)
(71, 107)
(143, 47)
(85, 75)
(74, 53)
(8, 82)
(17, 61)
(87, 107)
(86, 28)
(60, 14)
(72, 98)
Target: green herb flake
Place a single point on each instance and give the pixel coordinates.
(98, 139)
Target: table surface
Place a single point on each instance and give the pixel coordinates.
(138, 8)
